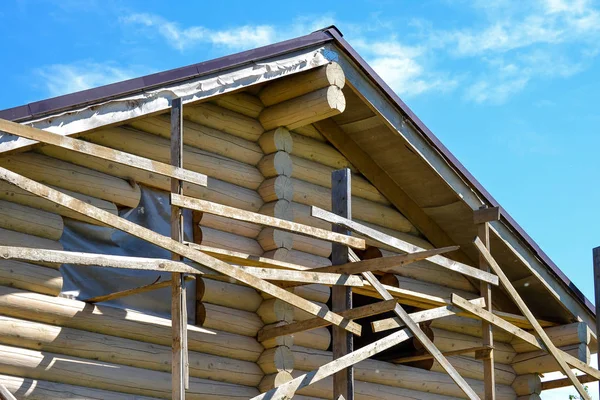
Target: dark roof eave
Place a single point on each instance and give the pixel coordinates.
(79, 99)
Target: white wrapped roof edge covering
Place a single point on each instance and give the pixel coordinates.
(158, 99)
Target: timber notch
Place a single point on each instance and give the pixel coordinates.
(292, 230)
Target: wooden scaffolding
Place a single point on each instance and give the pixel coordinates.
(348, 274)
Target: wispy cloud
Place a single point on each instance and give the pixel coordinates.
(60, 79)
(181, 38)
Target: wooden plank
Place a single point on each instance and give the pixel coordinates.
(248, 216)
(384, 263)
(130, 292)
(558, 383)
(97, 260)
(5, 394)
(422, 357)
(486, 214)
(527, 313)
(271, 332)
(174, 246)
(179, 365)
(287, 390)
(105, 153)
(341, 297)
(403, 246)
(481, 218)
(324, 278)
(422, 316)
(596, 260)
(423, 338)
(521, 334)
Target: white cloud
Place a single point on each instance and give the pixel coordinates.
(61, 79)
(247, 36)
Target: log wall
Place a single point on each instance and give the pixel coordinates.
(260, 155)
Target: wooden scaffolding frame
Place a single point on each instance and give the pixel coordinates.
(347, 273)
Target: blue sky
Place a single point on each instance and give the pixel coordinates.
(512, 88)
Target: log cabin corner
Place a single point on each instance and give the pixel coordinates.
(273, 224)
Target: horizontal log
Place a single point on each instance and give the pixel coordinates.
(276, 359)
(272, 239)
(320, 152)
(126, 324)
(272, 311)
(240, 228)
(311, 245)
(301, 315)
(287, 341)
(562, 335)
(281, 209)
(248, 216)
(527, 384)
(305, 109)
(104, 153)
(297, 257)
(35, 389)
(240, 322)
(228, 241)
(218, 191)
(540, 362)
(204, 138)
(450, 341)
(391, 375)
(157, 148)
(278, 139)
(133, 353)
(319, 196)
(319, 339)
(13, 194)
(101, 375)
(30, 277)
(469, 367)
(69, 176)
(224, 120)
(227, 294)
(298, 84)
(274, 164)
(469, 326)
(240, 102)
(20, 218)
(314, 292)
(311, 132)
(276, 188)
(319, 174)
(273, 380)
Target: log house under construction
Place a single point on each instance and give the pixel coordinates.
(273, 224)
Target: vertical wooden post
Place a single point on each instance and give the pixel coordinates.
(341, 296)
(178, 299)
(481, 218)
(596, 255)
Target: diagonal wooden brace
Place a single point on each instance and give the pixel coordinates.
(166, 243)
